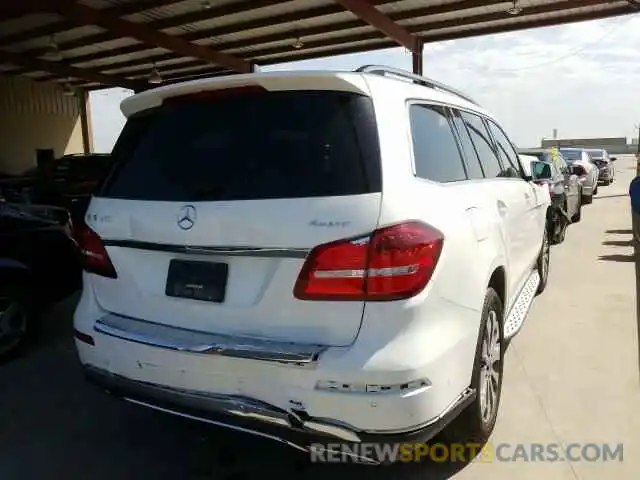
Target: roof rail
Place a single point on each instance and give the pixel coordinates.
(418, 79)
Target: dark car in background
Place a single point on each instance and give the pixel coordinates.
(40, 264)
(564, 189)
(604, 162)
(67, 182)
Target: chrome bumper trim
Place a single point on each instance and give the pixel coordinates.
(193, 341)
(227, 251)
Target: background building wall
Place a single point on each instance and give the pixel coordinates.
(36, 116)
(616, 145)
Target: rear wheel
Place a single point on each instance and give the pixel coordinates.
(543, 263)
(587, 199)
(477, 421)
(14, 327)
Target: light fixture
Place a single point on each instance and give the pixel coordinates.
(68, 90)
(154, 76)
(298, 44)
(52, 52)
(206, 4)
(515, 9)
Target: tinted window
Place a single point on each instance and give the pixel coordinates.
(571, 155)
(435, 149)
(484, 147)
(474, 170)
(246, 146)
(541, 170)
(507, 153)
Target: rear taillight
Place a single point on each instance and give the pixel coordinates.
(95, 258)
(392, 263)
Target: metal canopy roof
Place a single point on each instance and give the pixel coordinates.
(94, 44)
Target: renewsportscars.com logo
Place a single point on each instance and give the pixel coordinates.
(466, 452)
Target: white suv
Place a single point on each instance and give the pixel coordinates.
(311, 256)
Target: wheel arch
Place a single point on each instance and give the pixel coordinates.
(498, 281)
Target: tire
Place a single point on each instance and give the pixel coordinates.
(595, 191)
(587, 199)
(578, 215)
(542, 265)
(15, 327)
(476, 422)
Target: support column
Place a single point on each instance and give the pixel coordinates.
(416, 56)
(85, 122)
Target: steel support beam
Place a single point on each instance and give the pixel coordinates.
(380, 21)
(417, 57)
(64, 70)
(84, 15)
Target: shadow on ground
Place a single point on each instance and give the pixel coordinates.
(55, 425)
(617, 258)
(618, 243)
(620, 231)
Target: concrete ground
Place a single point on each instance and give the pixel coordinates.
(571, 377)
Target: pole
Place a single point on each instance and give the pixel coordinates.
(416, 56)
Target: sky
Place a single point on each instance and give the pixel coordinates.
(582, 79)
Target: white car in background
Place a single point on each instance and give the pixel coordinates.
(329, 255)
(581, 164)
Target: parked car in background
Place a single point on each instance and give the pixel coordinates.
(39, 265)
(564, 192)
(587, 171)
(68, 183)
(331, 264)
(604, 162)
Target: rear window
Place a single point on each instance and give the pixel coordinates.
(263, 145)
(571, 155)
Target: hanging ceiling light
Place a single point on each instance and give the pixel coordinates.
(155, 77)
(298, 44)
(52, 53)
(68, 90)
(515, 9)
(206, 4)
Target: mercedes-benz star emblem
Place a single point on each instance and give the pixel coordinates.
(187, 217)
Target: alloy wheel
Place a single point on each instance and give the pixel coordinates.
(544, 267)
(490, 368)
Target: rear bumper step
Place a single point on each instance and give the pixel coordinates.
(192, 341)
(261, 419)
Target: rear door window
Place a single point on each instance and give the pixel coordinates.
(484, 146)
(435, 148)
(506, 151)
(474, 169)
(263, 145)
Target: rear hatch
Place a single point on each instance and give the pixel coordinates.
(216, 199)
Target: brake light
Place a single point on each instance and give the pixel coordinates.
(219, 94)
(95, 258)
(392, 263)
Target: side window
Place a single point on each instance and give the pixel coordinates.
(482, 141)
(506, 151)
(474, 169)
(435, 148)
